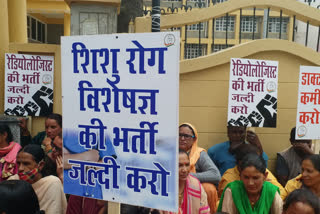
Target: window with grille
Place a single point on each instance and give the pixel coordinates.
(171, 29)
(274, 25)
(192, 50)
(219, 47)
(36, 29)
(195, 26)
(247, 24)
(221, 23)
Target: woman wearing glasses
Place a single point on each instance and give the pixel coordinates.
(192, 196)
(201, 166)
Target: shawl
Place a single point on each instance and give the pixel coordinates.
(241, 200)
(49, 191)
(293, 184)
(195, 151)
(194, 199)
(233, 174)
(8, 155)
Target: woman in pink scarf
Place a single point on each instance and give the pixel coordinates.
(8, 153)
(192, 197)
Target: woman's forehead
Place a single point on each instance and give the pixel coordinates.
(308, 163)
(185, 129)
(25, 156)
(250, 170)
(183, 156)
(50, 121)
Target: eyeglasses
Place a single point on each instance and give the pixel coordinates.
(186, 136)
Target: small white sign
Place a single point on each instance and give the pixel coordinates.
(253, 88)
(308, 110)
(28, 84)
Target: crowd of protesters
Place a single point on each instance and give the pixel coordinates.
(232, 177)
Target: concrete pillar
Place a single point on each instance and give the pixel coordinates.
(66, 24)
(131, 27)
(98, 17)
(237, 28)
(210, 32)
(4, 47)
(17, 11)
(13, 124)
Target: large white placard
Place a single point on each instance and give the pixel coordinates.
(253, 93)
(308, 110)
(28, 84)
(120, 101)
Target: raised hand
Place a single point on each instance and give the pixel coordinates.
(59, 163)
(18, 110)
(8, 111)
(31, 108)
(268, 109)
(304, 148)
(43, 98)
(255, 119)
(232, 122)
(242, 121)
(253, 139)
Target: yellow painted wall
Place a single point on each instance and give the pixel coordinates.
(17, 13)
(47, 6)
(204, 91)
(37, 123)
(4, 47)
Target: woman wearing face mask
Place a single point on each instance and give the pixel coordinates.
(309, 178)
(48, 189)
(53, 128)
(8, 153)
(252, 194)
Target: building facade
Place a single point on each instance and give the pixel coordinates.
(302, 29)
(234, 28)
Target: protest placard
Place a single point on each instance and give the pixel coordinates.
(253, 93)
(120, 125)
(308, 109)
(28, 84)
